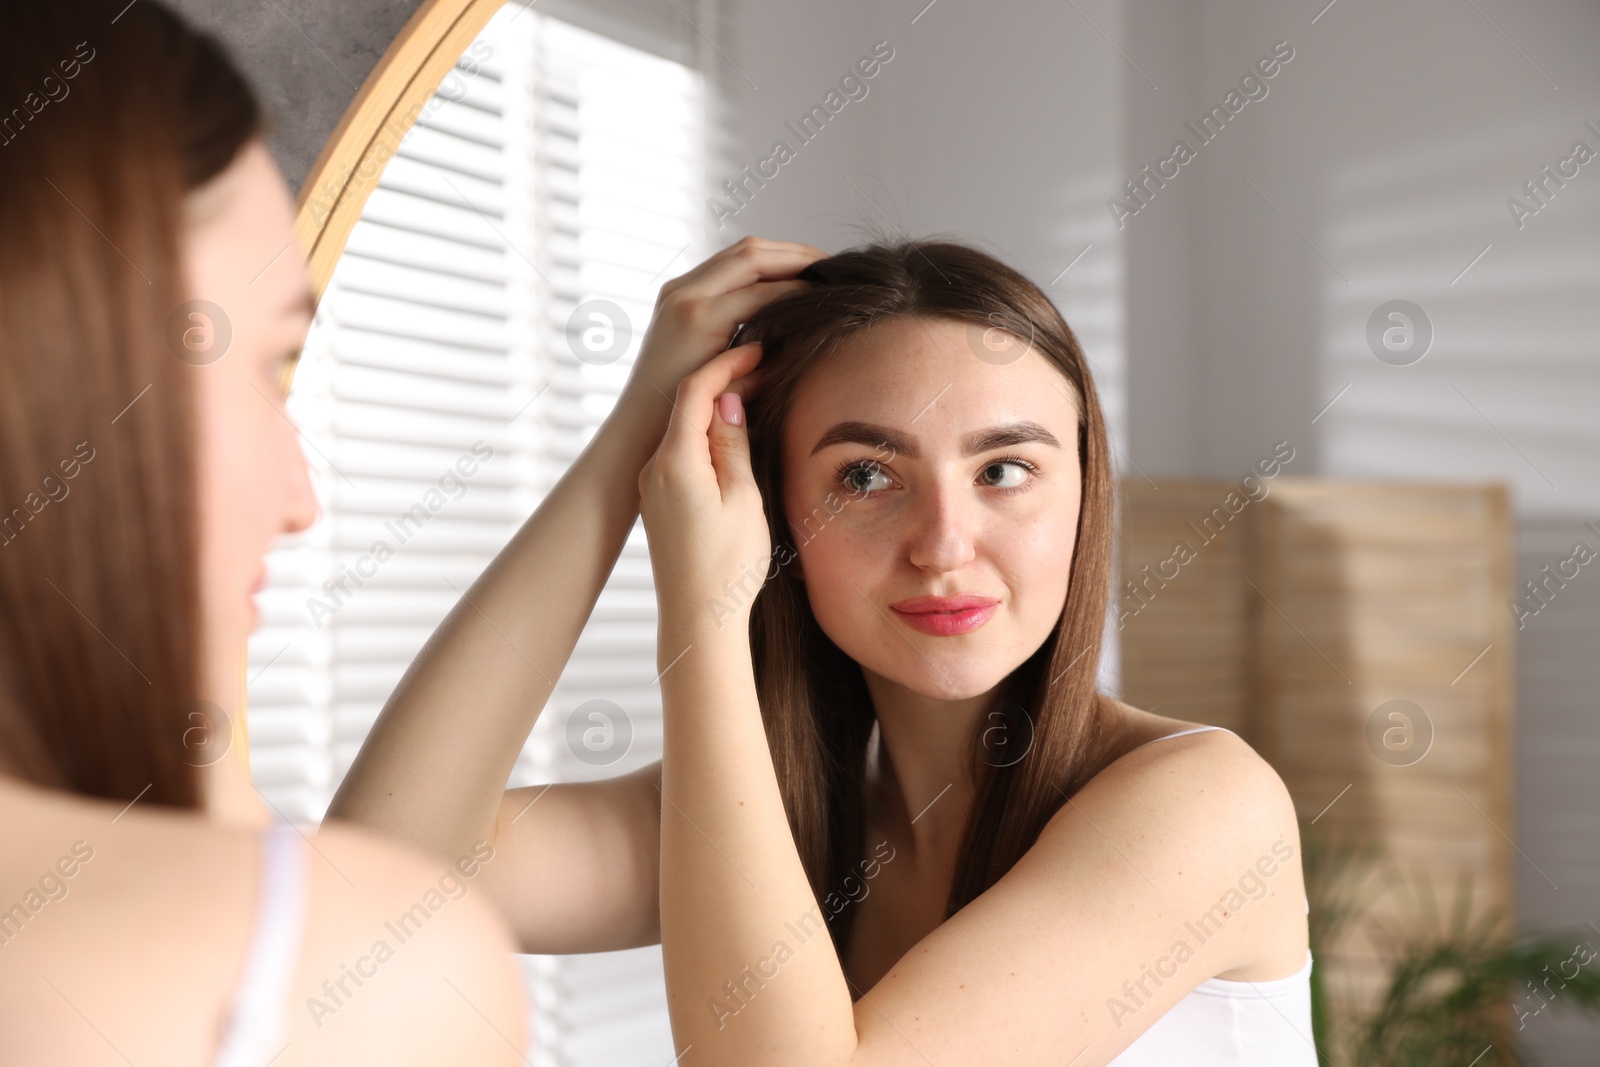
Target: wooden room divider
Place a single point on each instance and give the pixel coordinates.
(1359, 636)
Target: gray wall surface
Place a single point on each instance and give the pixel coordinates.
(307, 59)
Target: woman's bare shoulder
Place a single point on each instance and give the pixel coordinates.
(408, 948)
(1215, 763)
(1206, 804)
(113, 915)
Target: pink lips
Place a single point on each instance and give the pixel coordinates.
(945, 616)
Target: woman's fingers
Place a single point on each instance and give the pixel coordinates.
(745, 244)
(740, 264)
(699, 269)
(691, 411)
(730, 309)
(696, 314)
(756, 265)
(746, 386)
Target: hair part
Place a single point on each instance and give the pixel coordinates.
(120, 115)
(815, 706)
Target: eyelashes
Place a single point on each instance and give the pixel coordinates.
(847, 470)
(844, 474)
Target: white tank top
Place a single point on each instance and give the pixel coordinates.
(1223, 1023)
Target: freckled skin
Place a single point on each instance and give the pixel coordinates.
(941, 522)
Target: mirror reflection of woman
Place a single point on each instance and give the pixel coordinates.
(151, 912)
(880, 524)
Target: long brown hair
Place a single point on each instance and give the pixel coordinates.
(113, 112)
(814, 701)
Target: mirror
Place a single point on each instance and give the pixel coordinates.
(488, 228)
(1371, 250)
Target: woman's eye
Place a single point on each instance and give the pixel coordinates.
(1009, 473)
(1015, 479)
(857, 477)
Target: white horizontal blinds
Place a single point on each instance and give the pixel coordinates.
(405, 394)
(441, 394)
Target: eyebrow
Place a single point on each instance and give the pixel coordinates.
(972, 444)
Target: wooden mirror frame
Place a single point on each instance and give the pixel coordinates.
(376, 121)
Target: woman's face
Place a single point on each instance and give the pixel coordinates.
(242, 258)
(947, 507)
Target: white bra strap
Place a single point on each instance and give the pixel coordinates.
(1184, 733)
(257, 1025)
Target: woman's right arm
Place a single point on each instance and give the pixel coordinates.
(432, 771)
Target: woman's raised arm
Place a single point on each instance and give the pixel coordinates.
(433, 770)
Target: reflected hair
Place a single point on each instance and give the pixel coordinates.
(121, 111)
(815, 705)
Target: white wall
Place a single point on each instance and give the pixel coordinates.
(1004, 132)
(1000, 131)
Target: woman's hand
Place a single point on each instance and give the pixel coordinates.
(709, 545)
(696, 313)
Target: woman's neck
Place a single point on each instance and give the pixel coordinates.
(922, 788)
(222, 739)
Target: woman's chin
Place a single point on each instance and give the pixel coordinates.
(948, 678)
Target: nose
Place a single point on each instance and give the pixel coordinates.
(300, 504)
(944, 520)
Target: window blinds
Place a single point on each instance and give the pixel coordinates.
(440, 397)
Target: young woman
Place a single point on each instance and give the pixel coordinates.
(880, 614)
(150, 297)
